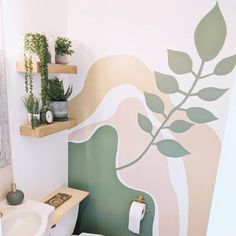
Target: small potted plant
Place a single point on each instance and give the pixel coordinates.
(63, 48)
(57, 98)
(33, 107)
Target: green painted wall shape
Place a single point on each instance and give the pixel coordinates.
(92, 167)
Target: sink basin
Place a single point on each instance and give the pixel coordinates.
(30, 218)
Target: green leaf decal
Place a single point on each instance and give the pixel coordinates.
(200, 115)
(210, 34)
(166, 83)
(225, 66)
(180, 126)
(179, 62)
(171, 148)
(211, 94)
(144, 123)
(154, 102)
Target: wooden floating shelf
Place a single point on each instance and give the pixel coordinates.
(44, 130)
(52, 68)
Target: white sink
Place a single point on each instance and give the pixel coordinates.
(30, 218)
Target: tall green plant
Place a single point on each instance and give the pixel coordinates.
(209, 39)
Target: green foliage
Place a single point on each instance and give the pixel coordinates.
(56, 92)
(166, 83)
(63, 46)
(210, 34)
(171, 148)
(28, 74)
(179, 62)
(209, 38)
(32, 104)
(144, 123)
(225, 66)
(200, 115)
(180, 126)
(154, 102)
(37, 43)
(211, 94)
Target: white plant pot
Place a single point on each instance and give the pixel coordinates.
(34, 115)
(61, 59)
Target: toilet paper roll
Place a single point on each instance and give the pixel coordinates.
(136, 214)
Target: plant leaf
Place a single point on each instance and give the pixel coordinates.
(180, 126)
(200, 115)
(211, 94)
(154, 102)
(166, 83)
(171, 148)
(144, 123)
(210, 34)
(179, 62)
(225, 66)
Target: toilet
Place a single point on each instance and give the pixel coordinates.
(65, 226)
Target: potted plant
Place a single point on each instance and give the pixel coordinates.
(57, 98)
(63, 48)
(32, 105)
(36, 44)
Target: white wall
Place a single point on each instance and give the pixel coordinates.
(223, 213)
(39, 165)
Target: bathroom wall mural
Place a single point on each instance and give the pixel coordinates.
(152, 132)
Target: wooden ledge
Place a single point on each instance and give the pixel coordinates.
(44, 130)
(77, 197)
(52, 68)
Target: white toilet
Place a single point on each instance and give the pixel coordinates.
(66, 225)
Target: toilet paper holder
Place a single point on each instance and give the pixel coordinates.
(140, 199)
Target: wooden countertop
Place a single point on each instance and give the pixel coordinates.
(77, 197)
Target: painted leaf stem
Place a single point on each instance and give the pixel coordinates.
(167, 118)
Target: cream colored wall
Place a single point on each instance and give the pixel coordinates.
(39, 165)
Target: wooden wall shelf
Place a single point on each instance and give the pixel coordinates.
(44, 130)
(52, 68)
(61, 211)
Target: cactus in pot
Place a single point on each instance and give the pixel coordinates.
(57, 98)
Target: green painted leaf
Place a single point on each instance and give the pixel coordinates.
(180, 126)
(171, 148)
(179, 62)
(200, 115)
(210, 34)
(225, 66)
(211, 94)
(166, 83)
(144, 123)
(154, 102)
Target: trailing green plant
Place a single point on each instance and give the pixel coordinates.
(56, 92)
(28, 66)
(37, 44)
(32, 104)
(208, 46)
(63, 46)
